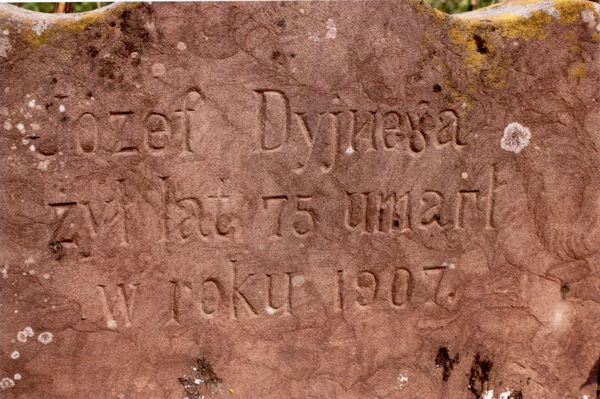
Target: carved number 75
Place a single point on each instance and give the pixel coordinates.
(289, 213)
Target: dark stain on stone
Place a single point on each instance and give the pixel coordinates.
(594, 377)
(202, 379)
(515, 395)
(565, 288)
(92, 51)
(278, 57)
(132, 25)
(437, 88)
(107, 69)
(445, 362)
(57, 249)
(281, 23)
(481, 46)
(480, 375)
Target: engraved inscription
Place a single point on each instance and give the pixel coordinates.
(289, 213)
(316, 140)
(401, 212)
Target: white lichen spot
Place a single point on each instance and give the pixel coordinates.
(585, 397)
(43, 165)
(15, 355)
(112, 324)
(46, 276)
(5, 32)
(314, 37)
(198, 381)
(45, 337)
(28, 331)
(181, 46)
(297, 281)
(17, 377)
(553, 12)
(21, 127)
(489, 394)
(158, 69)
(35, 126)
(331, 29)
(31, 103)
(464, 175)
(7, 125)
(21, 337)
(29, 261)
(505, 394)
(32, 148)
(402, 380)
(61, 108)
(349, 151)
(39, 27)
(134, 54)
(5, 46)
(587, 16)
(515, 138)
(4, 271)
(6, 383)
(270, 310)
(25, 141)
(150, 26)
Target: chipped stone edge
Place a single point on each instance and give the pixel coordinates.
(20, 14)
(36, 27)
(521, 8)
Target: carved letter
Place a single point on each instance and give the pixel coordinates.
(433, 213)
(401, 287)
(279, 200)
(273, 119)
(123, 303)
(461, 196)
(286, 304)
(368, 285)
(211, 296)
(158, 132)
(87, 134)
(238, 296)
(125, 140)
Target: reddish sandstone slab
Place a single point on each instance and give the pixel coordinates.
(300, 200)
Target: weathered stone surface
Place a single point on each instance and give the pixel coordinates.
(300, 200)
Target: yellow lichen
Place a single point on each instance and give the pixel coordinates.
(75, 23)
(522, 24)
(570, 10)
(572, 43)
(577, 71)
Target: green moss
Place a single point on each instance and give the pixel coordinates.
(72, 24)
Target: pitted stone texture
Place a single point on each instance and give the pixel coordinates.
(300, 200)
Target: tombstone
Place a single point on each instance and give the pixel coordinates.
(300, 200)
